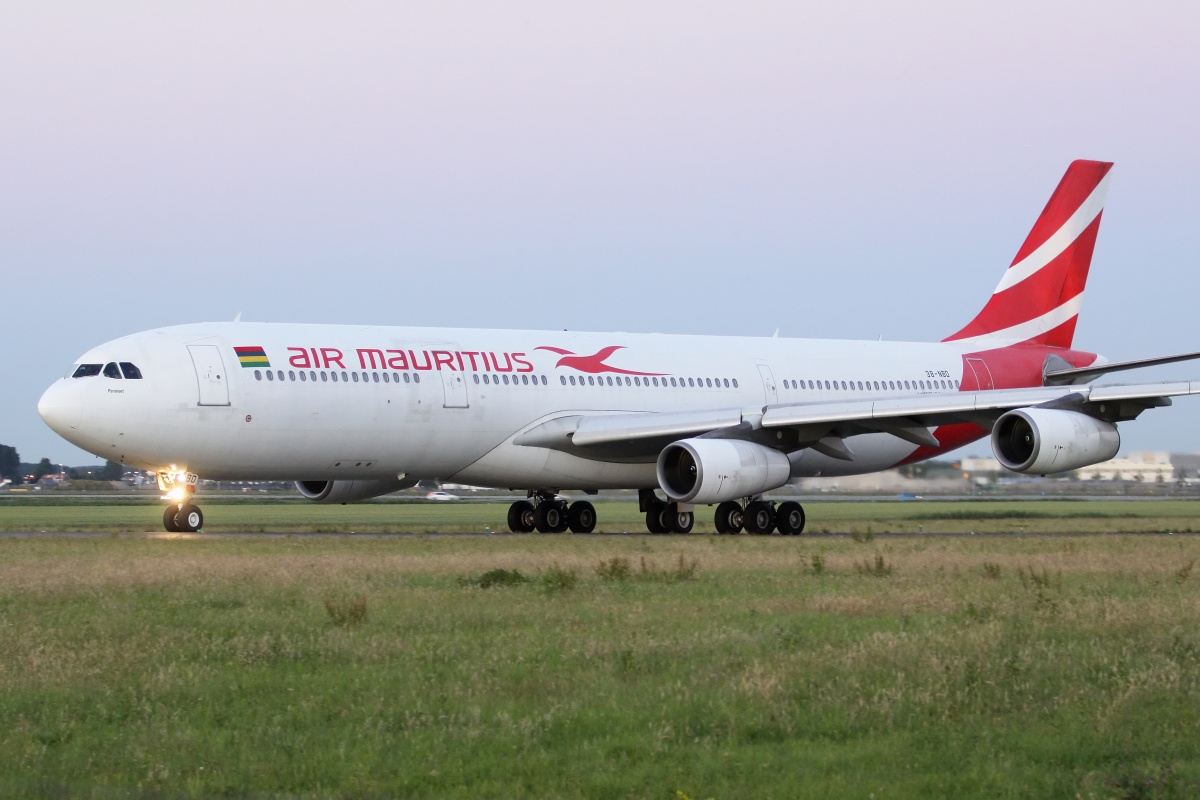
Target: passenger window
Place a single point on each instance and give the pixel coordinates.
(407, 379)
(572, 380)
(735, 383)
(323, 376)
(332, 375)
(655, 381)
(387, 378)
(291, 375)
(544, 380)
(111, 371)
(270, 375)
(303, 377)
(475, 376)
(86, 371)
(258, 375)
(525, 379)
(312, 375)
(130, 372)
(562, 379)
(280, 374)
(637, 381)
(416, 378)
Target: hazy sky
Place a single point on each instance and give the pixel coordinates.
(832, 170)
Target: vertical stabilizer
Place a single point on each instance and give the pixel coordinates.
(1038, 298)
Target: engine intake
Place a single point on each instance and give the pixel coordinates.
(715, 470)
(1047, 440)
(350, 491)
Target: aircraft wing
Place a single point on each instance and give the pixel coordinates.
(824, 426)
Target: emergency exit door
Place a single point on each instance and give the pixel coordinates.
(772, 394)
(211, 378)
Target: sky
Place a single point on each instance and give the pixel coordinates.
(841, 170)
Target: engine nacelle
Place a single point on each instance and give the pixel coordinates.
(1047, 440)
(715, 470)
(350, 491)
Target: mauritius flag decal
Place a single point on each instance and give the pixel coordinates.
(252, 356)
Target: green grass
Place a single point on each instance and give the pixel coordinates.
(1045, 516)
(719, 667)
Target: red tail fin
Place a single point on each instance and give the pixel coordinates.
(1039, 297)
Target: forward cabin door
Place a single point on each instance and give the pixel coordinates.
(983, 376)
(455, 388)
(768, 384)
(210, 374)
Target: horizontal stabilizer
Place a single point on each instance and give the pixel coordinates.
(1077, 375)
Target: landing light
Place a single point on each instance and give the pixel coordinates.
(175, 495)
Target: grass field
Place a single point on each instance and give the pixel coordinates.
(1005, 516)
(572, 666)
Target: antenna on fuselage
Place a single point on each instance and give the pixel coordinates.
(238, 318)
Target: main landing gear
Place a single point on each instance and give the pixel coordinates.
(760, 517)
(545, 512)
(664, 517)
(181, 514)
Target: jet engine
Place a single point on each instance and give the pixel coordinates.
(1047, 440)
(715, 470)
(350, 491)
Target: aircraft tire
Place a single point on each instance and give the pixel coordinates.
(189, 519)
(548, 517)
(789, 518)
(581, 517)
(563, 517)
(681, 521)
(760, 518)
(728, 518)
(169, 519)
(654, 518)
(520, 517)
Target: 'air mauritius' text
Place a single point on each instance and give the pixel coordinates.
(453, 360)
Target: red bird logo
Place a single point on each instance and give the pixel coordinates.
(593, 364)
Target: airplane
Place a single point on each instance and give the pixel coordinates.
(351, 412)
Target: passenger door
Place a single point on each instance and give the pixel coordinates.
(455, 387)
(210, 374)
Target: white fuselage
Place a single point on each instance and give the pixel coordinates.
(361, 402)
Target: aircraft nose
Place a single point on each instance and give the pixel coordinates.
(61, 409)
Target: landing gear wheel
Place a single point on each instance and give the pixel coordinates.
(760, 518)
(654, 518)
(681, 521)
(789, 518)
(581, 517)
(563, 516)
(520, 517)
(169, 519)
(548, 517)
(729, 517)
(189, 519)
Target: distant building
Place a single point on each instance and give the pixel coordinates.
(1149, 466)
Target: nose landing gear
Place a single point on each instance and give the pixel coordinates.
(181, 514)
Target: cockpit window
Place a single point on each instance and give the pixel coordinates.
(130, 371)
(111, 371)
(86, 371)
